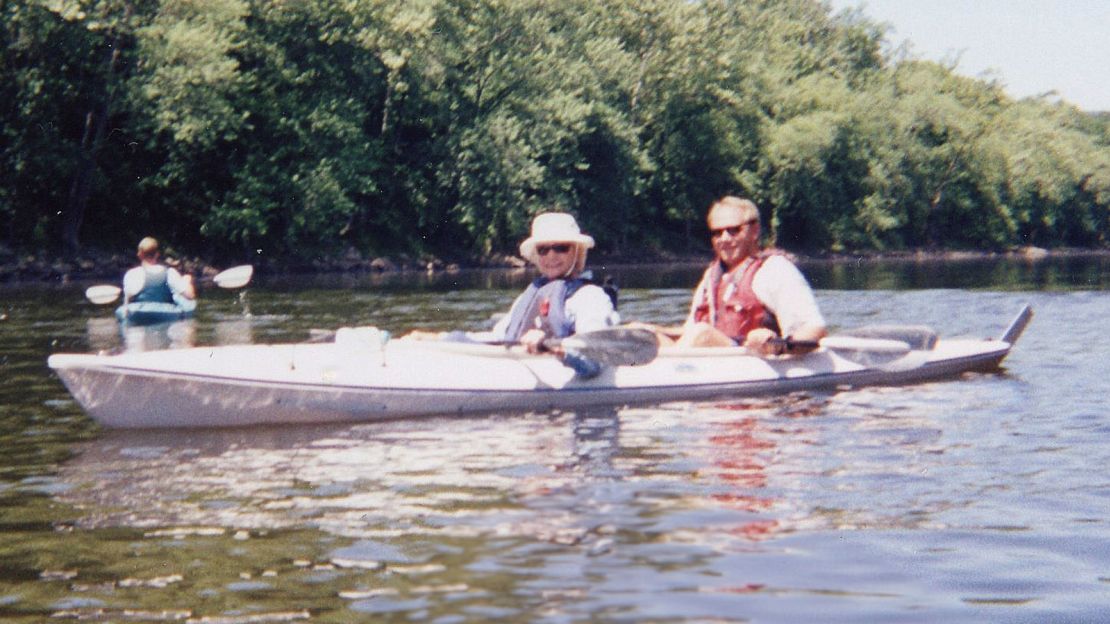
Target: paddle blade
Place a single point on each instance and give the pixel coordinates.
(918, 337)
(235, 277)
(879, 353)
(102, 294)
(618, 346)
(870, 345)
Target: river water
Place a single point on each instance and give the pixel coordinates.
(982, 499)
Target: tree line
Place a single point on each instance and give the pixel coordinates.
(301, 130)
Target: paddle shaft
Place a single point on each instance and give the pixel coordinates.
(846, 342)
(547, 345)
(789, 345)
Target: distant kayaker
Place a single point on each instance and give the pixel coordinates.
(153, 281)
(747, 296)
(562, 301)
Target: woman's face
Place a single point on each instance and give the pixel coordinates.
(556, 260)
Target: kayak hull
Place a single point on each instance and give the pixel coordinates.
(154, 312)
(250, 385)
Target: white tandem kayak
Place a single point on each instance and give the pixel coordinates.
(364, 380)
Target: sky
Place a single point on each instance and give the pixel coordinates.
(1030, 46)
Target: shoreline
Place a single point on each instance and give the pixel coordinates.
(96, 265)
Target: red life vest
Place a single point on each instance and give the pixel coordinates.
(729, 303)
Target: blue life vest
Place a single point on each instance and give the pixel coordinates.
(156, 288)
(543, 306)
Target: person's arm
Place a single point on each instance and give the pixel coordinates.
(533, 340)
(765, 342)
(809, 332)
(701, 333)
(784, 290)
(133, 281)
(181, 284)
(591, 309)
(697, 299)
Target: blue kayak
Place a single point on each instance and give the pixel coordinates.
(153, 312)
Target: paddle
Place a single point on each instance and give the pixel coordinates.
(103, 293)
(614, 346)
(878, 353)
(588, 352)
(235, 277)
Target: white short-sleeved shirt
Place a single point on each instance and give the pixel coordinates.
(784, 291)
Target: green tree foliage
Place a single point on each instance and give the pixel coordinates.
(299, 130)
(302, 167)
(1057, 176)
(40, 90)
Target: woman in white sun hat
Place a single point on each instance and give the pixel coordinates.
(563, 300)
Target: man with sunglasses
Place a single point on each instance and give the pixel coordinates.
(749, 296)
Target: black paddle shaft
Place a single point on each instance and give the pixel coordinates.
(790, 345)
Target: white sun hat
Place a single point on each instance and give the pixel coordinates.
(554, 227)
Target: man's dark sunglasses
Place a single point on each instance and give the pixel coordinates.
(733, 230)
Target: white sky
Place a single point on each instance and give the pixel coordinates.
(1030, 46)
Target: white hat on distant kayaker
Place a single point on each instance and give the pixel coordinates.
(554, 227)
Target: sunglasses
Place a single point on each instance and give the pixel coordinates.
(733, 230)
(559, 248)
